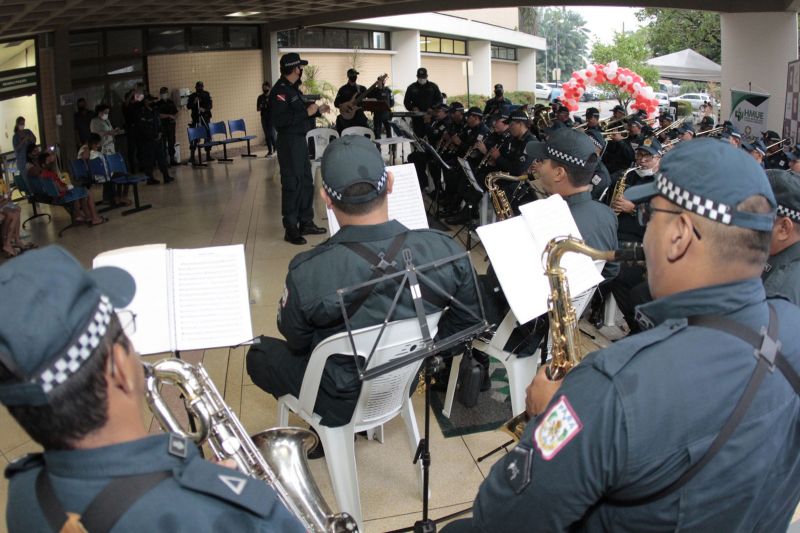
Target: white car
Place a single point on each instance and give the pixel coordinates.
(542, 91)
(663, 101)
(696, 99)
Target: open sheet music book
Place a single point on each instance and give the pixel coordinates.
(515, 247)
(186, 299)
(405, 201)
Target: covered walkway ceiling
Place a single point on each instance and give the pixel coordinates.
(25, 17)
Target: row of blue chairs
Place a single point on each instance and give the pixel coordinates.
(109, 169)
(218, 128)
(42, 191)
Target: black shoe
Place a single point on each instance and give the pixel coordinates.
(169, 179)
(152, 181)
(317, 452)
(310, 228)
(294, 237)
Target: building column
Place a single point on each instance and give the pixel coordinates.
(273, 56)
(480, 81)
(62, 76)
(526, 69)
(406, 61)
(761, 67)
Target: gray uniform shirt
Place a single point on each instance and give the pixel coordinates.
(597, 224)
(782, 275)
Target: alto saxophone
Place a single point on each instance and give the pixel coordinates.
(619, 188)
(565, 351)
(502, 207)
(276, 456)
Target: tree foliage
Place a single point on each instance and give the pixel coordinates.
(673, 30)
(529, 19)
(567, 42)
(629, 50)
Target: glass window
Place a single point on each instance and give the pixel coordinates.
(311, 38)
(206, 37)
(94, 95)
(124, 42)
(447, 46)
(84, 70)
(115, 67)
(85, 45)
(358, 39)
(166, 40)
(287, 39)
(433, 44)
(379, 40)
(460, 47)
(335, 38)
(243, 36)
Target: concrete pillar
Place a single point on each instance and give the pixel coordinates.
(480, 81)
(274, 56)
(406, 61)
(526, 69)
(266, 52)
(756, 48)
(62, 76)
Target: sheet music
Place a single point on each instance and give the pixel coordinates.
(148, 266)
(405, 201)
(212, 306)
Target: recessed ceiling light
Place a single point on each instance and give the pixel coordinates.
(243, 14)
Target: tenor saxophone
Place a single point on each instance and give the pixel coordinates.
(619, 188)
(276, 456)
(502, 207)
(565, 351)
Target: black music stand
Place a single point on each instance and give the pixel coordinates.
(375, 106)
(414, 280)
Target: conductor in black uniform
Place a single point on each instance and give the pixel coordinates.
(200, 105)
(496, 106)
(422, 95)
(290, 116)
(167, 112)
(346, 93)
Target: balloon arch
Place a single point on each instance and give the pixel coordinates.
(622, 77)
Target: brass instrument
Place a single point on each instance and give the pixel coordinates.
(711, 132)
(472, 151)
(674, 125)
(276, 456)
(782, 143)
(565, 351)
(502, 207)
(542, 119)
(619, 188)
(608, 134)
(669, 145)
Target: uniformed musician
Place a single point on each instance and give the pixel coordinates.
(465, 142)
(200, 105)
(756, 149)
(424, 162)
(71, 378)
(782, 272)
(775, 156)
(793, 158)
(601, 181)
(421, 96)
(642, 435)
(496, 106)
(345, 94)
(593, 119)
(290, 116)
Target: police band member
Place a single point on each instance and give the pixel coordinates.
(422, 96)
(200, 105)
(685, 132)
(424, 162)
(465, 142)
(601, 181)
(71, 378)
(290, 116)
(793, 158)
(149, 134)
(773, 145)
(608, 448)
(168, 113)
(593, 119)
(782, 272)
(512, 160)
(355, 186)
(262, 106)
(345, 94)
(562, 116)
(496, 105)
(756, 149)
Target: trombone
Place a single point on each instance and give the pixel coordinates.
(783, 143)
(672, 126)
(712, 131)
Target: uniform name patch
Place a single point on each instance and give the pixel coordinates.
(557, 428)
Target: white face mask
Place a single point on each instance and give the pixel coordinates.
(644, 172)
(164, 96)
(103, 116)
(422, 81)
(139, 97)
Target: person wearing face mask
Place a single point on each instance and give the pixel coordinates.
(495, 106)
(290, 116)
(167, 112)
(148, 133)
(262, 106)
(422, 95)
(346, 93)
(130, 113)
(21, 138)
(200, 105)
(82, 120)
(101, 125)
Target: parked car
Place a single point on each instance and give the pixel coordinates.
(592, 94)
(542, 91)
(696, 99)
(663, 101)
(555, 90)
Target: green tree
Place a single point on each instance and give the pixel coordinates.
(673, 30)
(629, 50)
(529, 19)
(567, 42)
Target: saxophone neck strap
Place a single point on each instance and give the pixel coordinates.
(105, 509)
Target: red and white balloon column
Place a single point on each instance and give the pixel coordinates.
(622, 77)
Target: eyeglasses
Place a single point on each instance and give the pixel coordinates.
(645, 212)
(644, 158)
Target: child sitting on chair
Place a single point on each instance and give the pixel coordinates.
(82, 209)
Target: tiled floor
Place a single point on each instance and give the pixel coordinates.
(240, 203)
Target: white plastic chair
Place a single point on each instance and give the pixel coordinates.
(322, 138)
(359, 130)
(520, 370)
(381, 399)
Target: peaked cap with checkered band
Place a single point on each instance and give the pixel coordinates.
(565, 145)
(350, 160)
(54, 315)
(710, 178)
(786, 187)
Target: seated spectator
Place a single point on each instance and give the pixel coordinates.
(92, 149)
(9, 228)
(101, 125)
(82, 209)
(21, 139)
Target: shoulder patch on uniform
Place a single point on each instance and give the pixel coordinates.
(28, 462)
(281, 97)
(596, 180)
(517, 467)
(558, 426)
(228, 485)
(178, 445)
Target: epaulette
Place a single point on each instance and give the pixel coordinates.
(28, 462)
(614, 358)
(310, 254)
(228, 485)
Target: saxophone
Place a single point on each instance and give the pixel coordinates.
(502, 207)
(565, 351)
(619, 188)
(276, 456)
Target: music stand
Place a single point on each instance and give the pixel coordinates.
(414, 280)
(469, 226)
(375, 106)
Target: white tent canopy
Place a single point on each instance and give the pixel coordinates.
(687, 65)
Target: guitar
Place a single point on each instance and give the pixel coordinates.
(348, 109)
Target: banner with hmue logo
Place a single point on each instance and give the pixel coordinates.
(749, 112)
